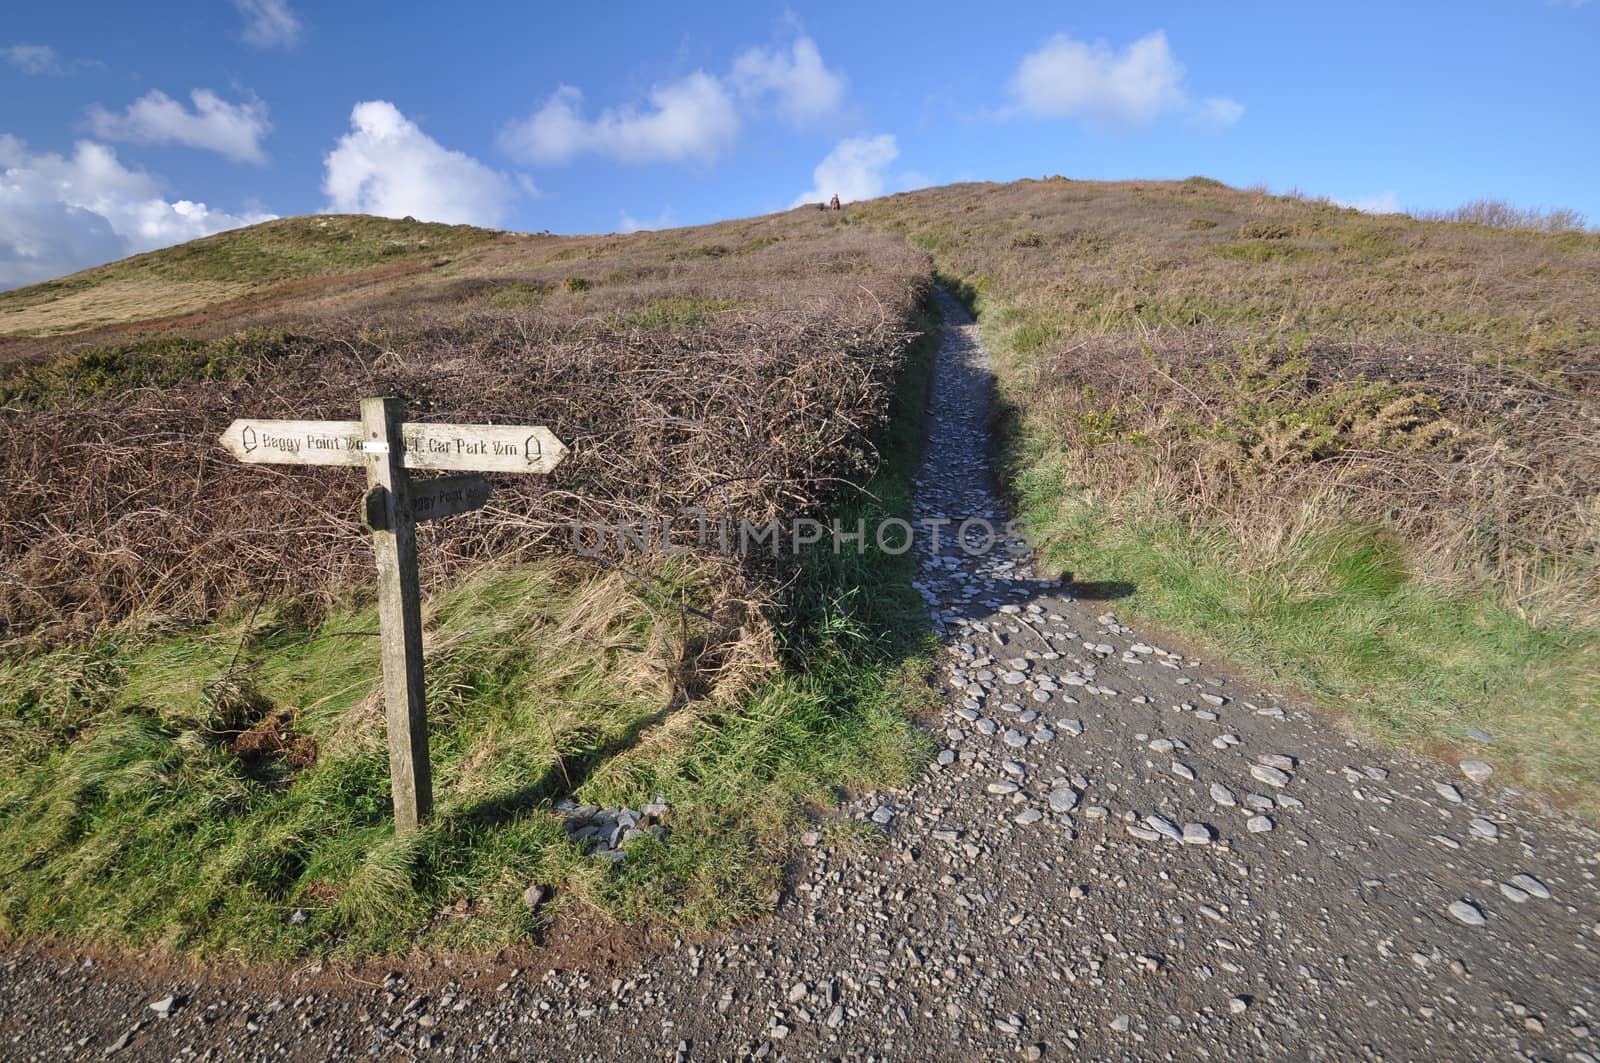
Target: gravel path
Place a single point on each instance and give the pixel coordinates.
(1123, 852)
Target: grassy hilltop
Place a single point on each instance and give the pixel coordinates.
(1355, 453)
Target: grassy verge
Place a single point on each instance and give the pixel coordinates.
(1334, 612)
(224, 791)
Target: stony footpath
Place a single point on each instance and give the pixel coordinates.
(1121, 852)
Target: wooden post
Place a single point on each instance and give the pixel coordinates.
(392, 508)
(399, 611)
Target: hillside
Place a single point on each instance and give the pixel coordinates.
(258, 264)
(1357, 455)
(187, 670)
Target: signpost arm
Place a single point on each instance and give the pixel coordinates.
(399, 613)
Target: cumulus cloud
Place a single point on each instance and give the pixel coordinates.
(269, 23)
(1216, 112)
(34, 59)
(1110, 89)
(855, 169)
(696, 118)
(64, 213)
(691, 119)
(806, 90)
(387, 165)
(629, 224)
(233, 130)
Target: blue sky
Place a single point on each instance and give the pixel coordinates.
(124, 127)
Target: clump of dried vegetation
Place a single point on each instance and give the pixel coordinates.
(1358, 451)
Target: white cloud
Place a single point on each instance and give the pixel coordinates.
(1216, 112)
(59, 213)
(690, 119)
(1382, 203)
(233, 130)
(1108, 89)
(629, 224)
(386, 165)
(269, 23)
(34, 59)
(854, 169)
(805, 88)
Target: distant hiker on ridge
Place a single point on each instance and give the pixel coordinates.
(833, 204)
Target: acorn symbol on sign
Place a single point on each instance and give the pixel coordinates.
(248, 438)
(531, 450)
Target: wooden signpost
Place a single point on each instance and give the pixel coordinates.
(389, 446)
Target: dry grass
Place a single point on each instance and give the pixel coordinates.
(748, 383)
(1496, 214)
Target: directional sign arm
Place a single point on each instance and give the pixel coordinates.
(439, 447)
(295, 442)
(447, 496)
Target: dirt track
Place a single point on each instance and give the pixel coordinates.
(1321, 898)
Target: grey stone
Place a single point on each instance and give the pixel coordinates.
(1476, 770)
(1164, 827)
(1528, 884)
(1268, 774)
(1222, 795)
(1467, 912)
(1063, 800)
(1258, 824)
